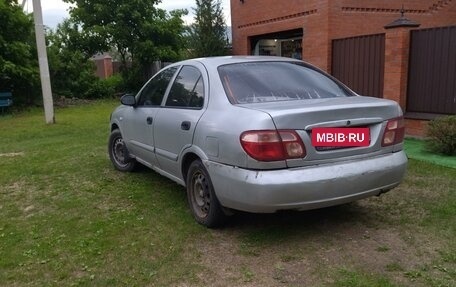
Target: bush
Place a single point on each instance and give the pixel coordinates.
(116, 83)
(99, 90)
(441, 134)
(105, 88)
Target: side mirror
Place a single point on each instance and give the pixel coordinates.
(128, 100)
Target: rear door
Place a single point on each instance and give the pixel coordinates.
(176, 121)
(139, 121)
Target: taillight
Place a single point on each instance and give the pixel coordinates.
(394, 132)
(272, 145)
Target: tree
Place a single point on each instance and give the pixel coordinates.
(136, 29)
(207, 35)
(18, 61)
(72, 73)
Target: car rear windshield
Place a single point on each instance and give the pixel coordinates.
(258, 82)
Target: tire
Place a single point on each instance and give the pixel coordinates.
(203, 202)
(118, 153)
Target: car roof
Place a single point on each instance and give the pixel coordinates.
(224, 60)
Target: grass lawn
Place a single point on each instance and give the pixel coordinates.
(67, 218)
(416, 149)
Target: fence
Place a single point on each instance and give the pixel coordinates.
(432, 72)
(359, 63)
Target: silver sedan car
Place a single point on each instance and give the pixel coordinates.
(259, 134)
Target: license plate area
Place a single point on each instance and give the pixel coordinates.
(324, 139)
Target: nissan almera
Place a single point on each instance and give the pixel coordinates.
(259, 134)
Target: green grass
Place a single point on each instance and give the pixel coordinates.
(67, 218)
(360, 279)
(416, 149)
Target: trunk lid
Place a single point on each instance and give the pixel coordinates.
(357, 111)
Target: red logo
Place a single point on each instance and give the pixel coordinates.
(340, 137)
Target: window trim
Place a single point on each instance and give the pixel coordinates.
(165, 99)
(168, 87)
(233, 101)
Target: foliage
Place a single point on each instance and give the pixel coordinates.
(71, 73)
(116, 83)
(18, 64)
(136, 29)
(207, 35)
(69, 35)
(72, 70)
(106, 88)
(441, 134)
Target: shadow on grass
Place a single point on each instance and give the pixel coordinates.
(290, 218)
(277, 225)
(285, 226)
(286, 231)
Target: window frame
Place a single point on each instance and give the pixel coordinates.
(168, 87)
(234, 102)
(174, 80)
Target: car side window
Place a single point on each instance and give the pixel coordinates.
(154, 91)
(187, 90)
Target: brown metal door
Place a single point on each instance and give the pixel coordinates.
(432, 71)
(359, 63)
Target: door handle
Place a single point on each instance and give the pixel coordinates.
(185, 125)
(149, 120)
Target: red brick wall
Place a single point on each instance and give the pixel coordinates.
(324, 20)
(104, 67)
(368, 17)
(397, 42)
(415, 128)
(108, 67)
(256, 17)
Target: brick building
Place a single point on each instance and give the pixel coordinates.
(103, 63)
(307, 29)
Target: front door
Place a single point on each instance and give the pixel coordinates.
(176, 121)
(141, 120)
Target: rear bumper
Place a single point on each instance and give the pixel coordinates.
(306, 187)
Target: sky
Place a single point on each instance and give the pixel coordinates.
(54, 11)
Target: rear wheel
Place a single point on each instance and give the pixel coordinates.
(118, 152)
(201, 197)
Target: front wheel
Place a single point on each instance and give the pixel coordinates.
(201, 197)
(118, 152)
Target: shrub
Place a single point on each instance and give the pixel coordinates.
(105, 88)
(116, 83)
(99, 90)
(441, 135)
